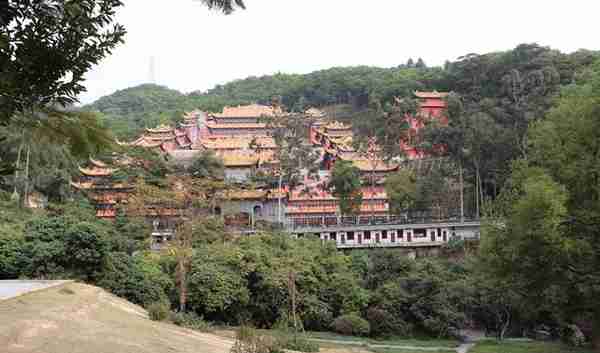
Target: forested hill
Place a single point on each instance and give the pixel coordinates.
(474, 76)
(127, 111)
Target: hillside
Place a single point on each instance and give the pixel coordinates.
(82, 318)
(127, 111)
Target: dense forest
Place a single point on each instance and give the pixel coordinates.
(523, 132)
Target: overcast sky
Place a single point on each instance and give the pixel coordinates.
(195, 49)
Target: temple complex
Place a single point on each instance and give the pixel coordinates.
(241, 120)
(241, 139)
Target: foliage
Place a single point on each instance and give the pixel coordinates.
(248, 340)
(158, 311)
(139, 279)
(401, 189)
(207, 165)
(33, 31)
(296, 157)
(351, 324)
(346, 186)
(127, 112)
(190, 320)
(548, 214)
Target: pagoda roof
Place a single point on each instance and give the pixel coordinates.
(237, 126)
(160, 129)
(314, 113)
(89, 185)
(434, 94)
(248, 111)
(143, 141)
(336, 125)
(96, 171)
(98, 163)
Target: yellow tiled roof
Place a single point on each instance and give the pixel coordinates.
(247, 111)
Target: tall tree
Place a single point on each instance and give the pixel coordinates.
(549, 215)
(346, 186)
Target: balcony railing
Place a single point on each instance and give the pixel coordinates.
(341, 221)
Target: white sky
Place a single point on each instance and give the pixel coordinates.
(195, 49)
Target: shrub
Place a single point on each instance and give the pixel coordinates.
(351, 324)
(158, 311)
(384, 323)
(190, 320)
(248, 340)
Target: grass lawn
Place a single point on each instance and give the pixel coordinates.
(396, 350)
(525, 347)
(433, 342)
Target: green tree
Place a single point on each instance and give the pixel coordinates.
(33, 31)
(346, 186)
(86, 248)
(207, 165)
(548, 215)
(401, 189)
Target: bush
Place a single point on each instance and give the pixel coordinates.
(159, 311)
(248, 340)
(190, 320)
(351, 324)
(384, 323)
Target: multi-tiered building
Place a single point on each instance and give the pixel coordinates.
(247, 120)
(96, 181)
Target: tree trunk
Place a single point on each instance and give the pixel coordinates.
(462, 193)
(476, 191)
(182, 286)
(15, 192)
(26, 191)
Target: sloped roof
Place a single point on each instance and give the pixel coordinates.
(314, 113)
(96, 171)
(336, 125)
(237, 126)
(160, 129)
(248, 111)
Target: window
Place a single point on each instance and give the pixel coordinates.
(420, 233)
(384, 235)
(350, 236)
(367, 235)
